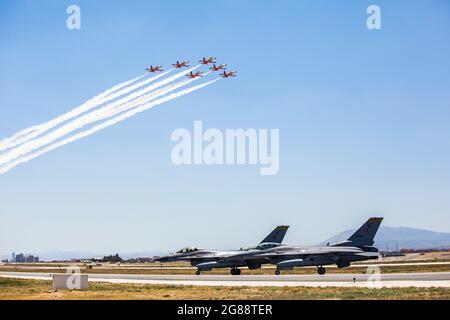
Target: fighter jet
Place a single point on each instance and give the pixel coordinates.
(358, 247)
(154, 69)
(206, 259)
(181, 64)
(207, 60)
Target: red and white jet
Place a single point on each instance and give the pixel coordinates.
(154, 69)
(181, 64)
(228, 74)
(218, 68)
(192, 75)
(207, 60)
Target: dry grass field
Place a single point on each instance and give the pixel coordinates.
(20, 289)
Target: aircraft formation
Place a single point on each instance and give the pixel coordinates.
(198, 74)
(108, 108)
(271, 250)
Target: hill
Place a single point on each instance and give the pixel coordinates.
(406, 238)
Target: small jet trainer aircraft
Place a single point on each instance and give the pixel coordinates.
(181, 64)
(192, 75)
(218, 68)
(207, 60)
(228, 74)
(154, 69)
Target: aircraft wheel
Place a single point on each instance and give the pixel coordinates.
(321, 270)
(277, 272)
(235, 271)
(197, 272)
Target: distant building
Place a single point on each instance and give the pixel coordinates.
(31, 259)
(387, 253)
(21, 258)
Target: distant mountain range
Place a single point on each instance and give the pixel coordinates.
(405, 238)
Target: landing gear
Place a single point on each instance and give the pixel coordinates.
(235, 271)
(277, 272)
(321, 270)
(197, 272)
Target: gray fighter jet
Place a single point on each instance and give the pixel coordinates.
(358, 247)
(206, 259)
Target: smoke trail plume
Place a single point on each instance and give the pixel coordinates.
(80, 122)
(108, 95)
(116, 88)
(108, 123)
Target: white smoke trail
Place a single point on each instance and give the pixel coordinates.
(108, 95)
(116, 88)
(6, 143)
(17, 135)
(106, 113)
(83, 120)
(103, 114)
(108, 123)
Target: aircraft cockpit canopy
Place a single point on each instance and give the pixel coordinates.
(187, 250)
(267, 245)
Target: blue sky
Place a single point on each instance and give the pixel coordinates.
(363, 118)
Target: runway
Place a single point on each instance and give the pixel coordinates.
(431, 279)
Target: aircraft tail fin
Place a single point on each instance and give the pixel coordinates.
(277, 235)
(365, 234)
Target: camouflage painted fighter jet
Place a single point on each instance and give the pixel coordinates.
(358, 247)
(206, 259)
